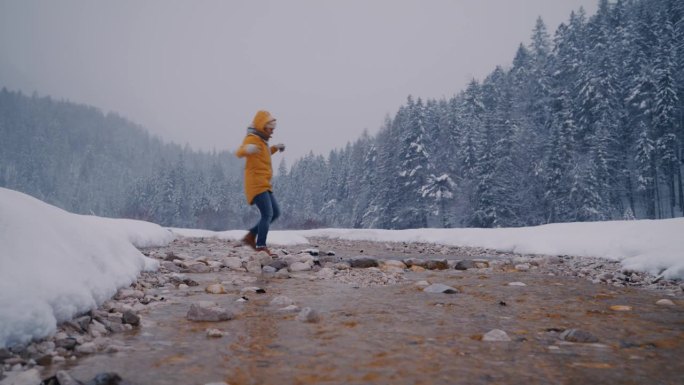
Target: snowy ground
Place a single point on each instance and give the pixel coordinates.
(55, 265)
(656, 247)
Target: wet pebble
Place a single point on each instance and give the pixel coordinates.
(208, 311)
(278, 264)
(496, 335)
(215, 333)
(665, 302)
(129, 293)
(289, 309)
(440, 288)
(308, 314)
(252, 289)
(465, 265)
(233, 263)
(87, 348)
(621, 308)
(523, 267)
(577, 335)
(216, 288)
(67, 343)
(130, 318)
(299, 266)
(282, 300)
(282, 274)
(517, 284)
(268, 270)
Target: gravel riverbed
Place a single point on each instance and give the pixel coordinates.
(337, 311)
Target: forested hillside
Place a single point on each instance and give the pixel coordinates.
(84, 161)
(586, 125)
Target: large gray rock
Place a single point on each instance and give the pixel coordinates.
(208, 311)
(363, 262)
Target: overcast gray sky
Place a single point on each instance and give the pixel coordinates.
(196, 71)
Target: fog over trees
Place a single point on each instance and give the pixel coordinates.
(587, 124)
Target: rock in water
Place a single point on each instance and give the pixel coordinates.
(208, 311)
(130, 318)
(308, 315)
(282, 300)
(496, 335)
(465, 265)
(576, 335)
(440, 288)
(665, 302)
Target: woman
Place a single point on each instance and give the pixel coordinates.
(258, 173)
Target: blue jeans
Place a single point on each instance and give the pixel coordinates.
(268, 207)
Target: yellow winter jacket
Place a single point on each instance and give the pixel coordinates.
(258, 169)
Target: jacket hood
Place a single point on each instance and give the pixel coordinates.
(260, 119)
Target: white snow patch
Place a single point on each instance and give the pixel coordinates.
(55, 265)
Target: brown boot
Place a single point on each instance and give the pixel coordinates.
(249, 240)
(266, 250)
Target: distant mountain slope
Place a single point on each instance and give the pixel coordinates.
(77, 158)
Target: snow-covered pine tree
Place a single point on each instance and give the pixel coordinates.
(383, 205)
(414, 167)
(665, 108)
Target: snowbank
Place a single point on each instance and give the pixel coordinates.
(55, 265)
(655, 246)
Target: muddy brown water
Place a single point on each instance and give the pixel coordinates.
(400, 335)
